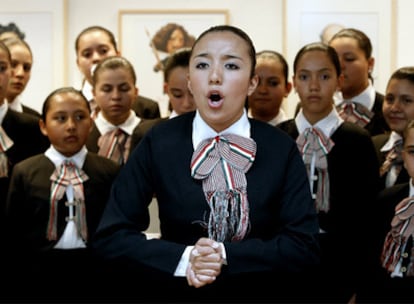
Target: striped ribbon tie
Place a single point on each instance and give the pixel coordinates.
(221, 163)
(5, 144)
(393, 158)
(115, 145)
(65, 175)
(314, 145)
(402, 228)
(355, 112)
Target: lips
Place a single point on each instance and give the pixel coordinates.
(215, 99)
(71, 138)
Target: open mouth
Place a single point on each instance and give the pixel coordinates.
(215, 97)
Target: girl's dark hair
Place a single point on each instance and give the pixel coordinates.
(112, 63)
(319, 46)
(402, 73)
(275, 55)
(12, 27)
(63, 90)
(93, 29)
(180, 58)
(235, 30)
(161, 37)
(363, 41)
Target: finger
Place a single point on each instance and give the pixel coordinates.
(192, 278)
(205, 279)
(207, 272)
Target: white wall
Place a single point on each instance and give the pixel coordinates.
(272, 24)
(43, 23)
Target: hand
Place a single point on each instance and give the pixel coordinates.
(205, 263)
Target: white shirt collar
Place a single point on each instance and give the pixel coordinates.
(127, 126)
(411, 187)
(16, 104)
(3, 110)
(202, 131)
(87, 90)
(173, 114)
(394, 136)
(57, 158)
(328, 124)
(366, 98)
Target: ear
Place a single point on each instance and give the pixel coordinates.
(288, 89)
(294, 83)
(42, 127)
(341, 79)
(253, 84)
(165, 88)
(371, 63)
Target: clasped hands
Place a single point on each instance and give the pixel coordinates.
(206, 260)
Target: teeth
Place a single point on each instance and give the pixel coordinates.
(215, 97)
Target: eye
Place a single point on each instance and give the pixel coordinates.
(80, 116)
(125, 88)
(389, 98)
(325, 77)
(106, 88)
(231, 66)
(273, 83)
(201, 66)
(406, 100)
(27, 67)
(303, 77)
(86, 54)
(59, 117)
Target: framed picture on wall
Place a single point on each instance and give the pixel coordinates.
(306, 19)
(147, 37)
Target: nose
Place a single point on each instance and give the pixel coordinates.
(71, 123)
(314, 84)
(396, 105)
(96, 57)
(215, 75)
(116, 93)
(261, 87)
(18, 71)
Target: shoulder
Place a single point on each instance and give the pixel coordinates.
(32, 163)
(148, 123)
(100, 164)
(31, 111)
(179, 123)
(380, 138)
(269, 135)
(146, 100)
(289, 126)
(397, 190)
(351, 129)
(22, 118)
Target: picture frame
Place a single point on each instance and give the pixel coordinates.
(138, 27)
(304, 24)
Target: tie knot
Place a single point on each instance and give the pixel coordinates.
(69, 164)
(398, 144)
